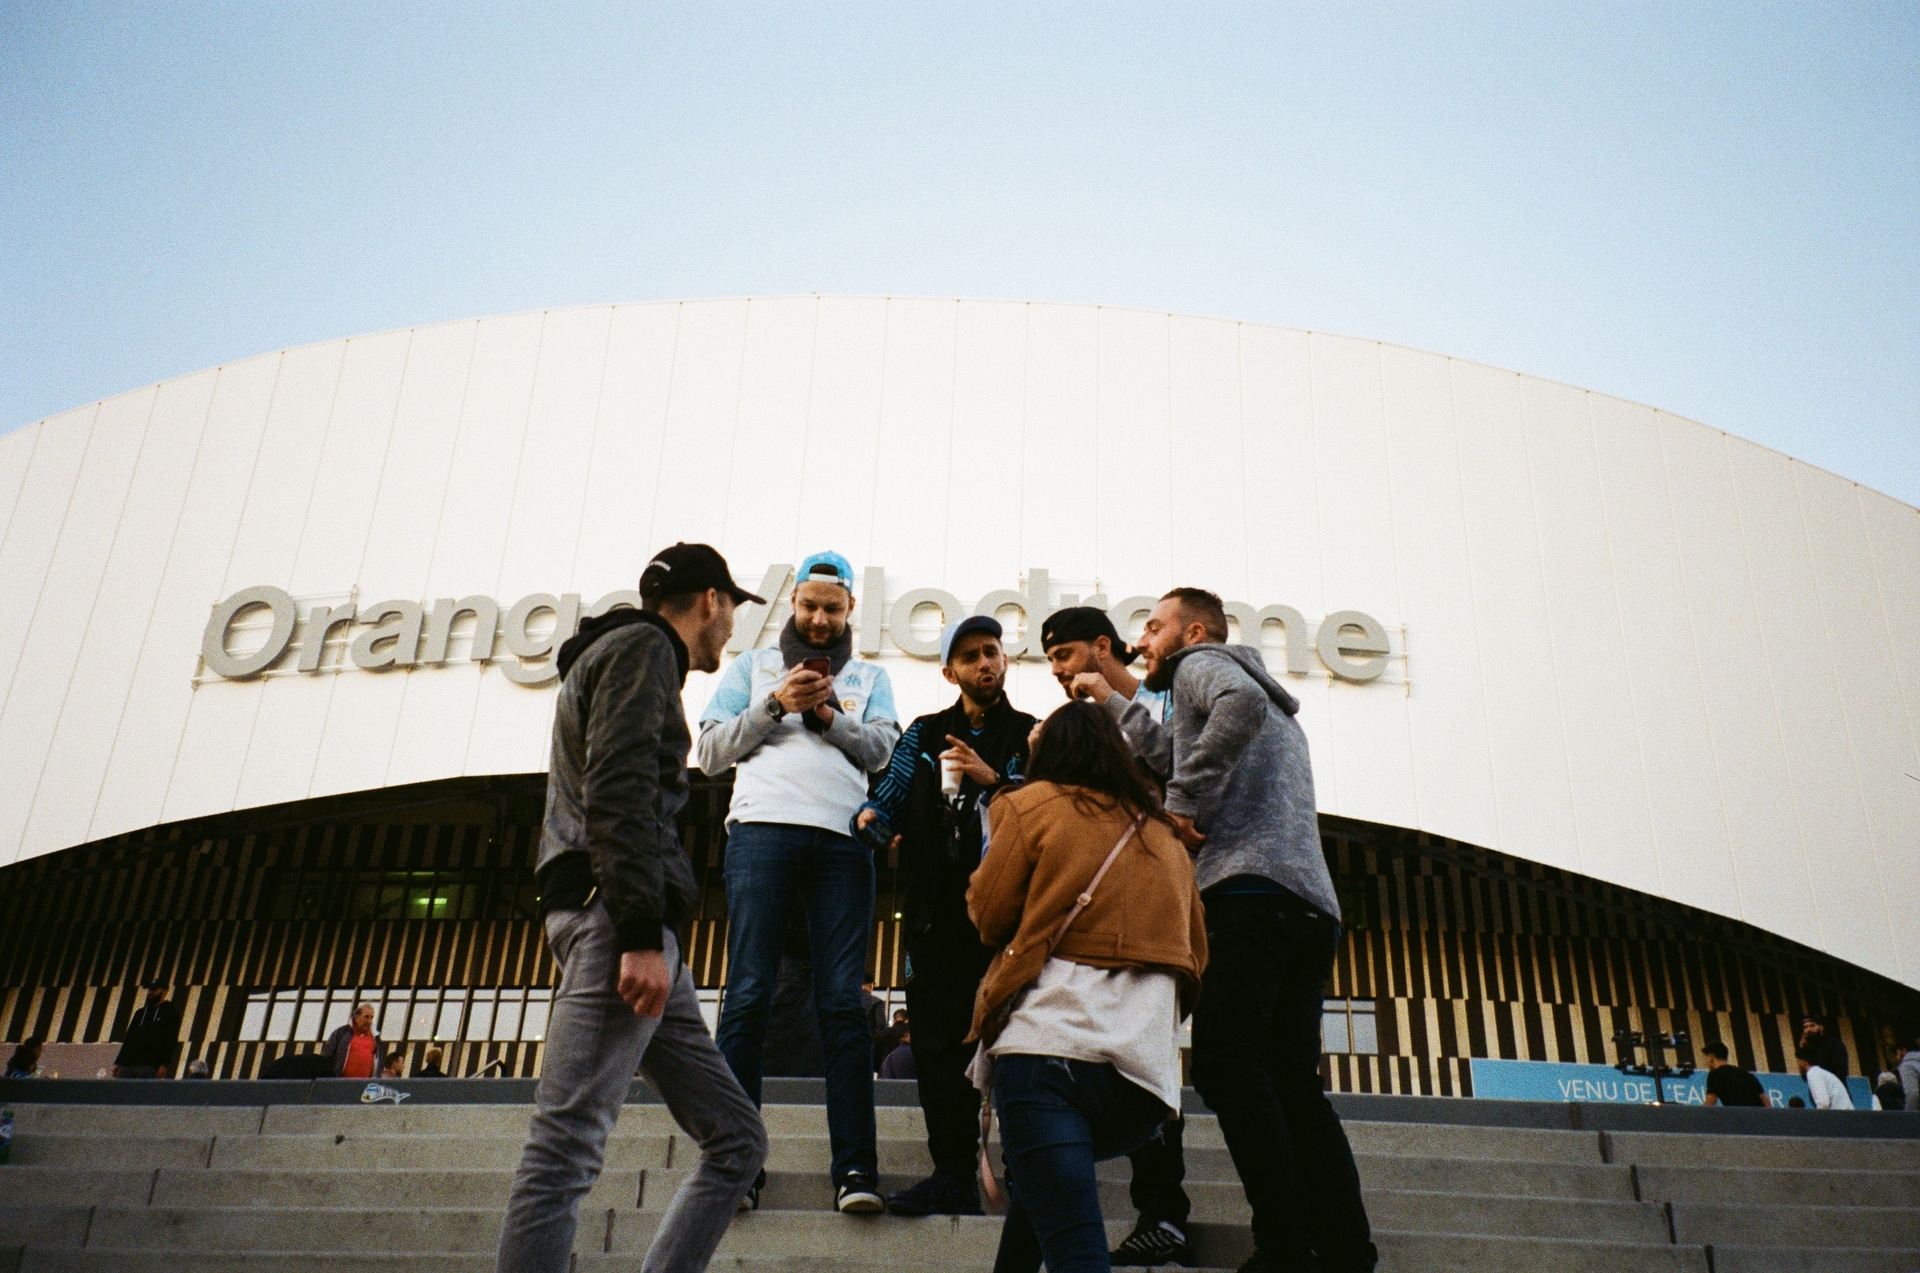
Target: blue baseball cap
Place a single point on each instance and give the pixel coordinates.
(822, 567)
(967, 627)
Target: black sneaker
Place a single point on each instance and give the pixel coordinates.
(1160, 1243)
(750, 1201)
(859, 1195)
(938, 1195)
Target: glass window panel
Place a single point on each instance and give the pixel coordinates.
(1366, 1037)
(253, 1021)
(1333, 1005)
(425, 1004)
(1333, 1032)
(480, 1015)
(393, 1022)
(533, 1027)
(452, 1007)
(339, 1013)
(366, 899)
(1362, 1005)
(419, 903)
(506, 1022)
(393, 900)
(280, 1019)
(312, 1015)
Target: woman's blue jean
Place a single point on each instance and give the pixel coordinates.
(1057, 1119)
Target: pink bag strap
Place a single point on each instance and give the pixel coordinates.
(988, 1184)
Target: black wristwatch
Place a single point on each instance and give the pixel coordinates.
(775, 708)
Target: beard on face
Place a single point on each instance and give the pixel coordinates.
(1159, 677)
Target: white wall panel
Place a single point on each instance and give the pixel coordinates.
(1874, 717)
(96, 690)
(1133, 502)
(66, 596)
(984, 476)
(1452, 779)
(1527, 730)
(16, 453)
(626, 447)
(1750, 755)
(1829, 816)
(762, 486)
(153, 724)
(1637, 648)
(1283, 507)
(696, 460)
(840, 460)
(59, 445)
(1367, 729)
(543, 530)
(1662, 661)
(1606, 770)
(910, 511)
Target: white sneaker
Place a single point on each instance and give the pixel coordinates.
(859, 1196)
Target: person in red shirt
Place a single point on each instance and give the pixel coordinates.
(354, 1050)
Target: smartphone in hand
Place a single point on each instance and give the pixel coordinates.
(824, 666)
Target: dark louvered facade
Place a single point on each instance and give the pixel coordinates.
(268, 921)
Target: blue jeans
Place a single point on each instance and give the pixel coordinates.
(1057, 1119)
(769, 864)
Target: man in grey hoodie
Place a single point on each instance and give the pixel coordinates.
(1239, 787)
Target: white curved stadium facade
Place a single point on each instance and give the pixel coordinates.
(1566, 627)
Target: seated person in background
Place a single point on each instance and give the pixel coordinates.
(1727, 1083)
(1906, 1063)
(1887, 1090)
(1823, 1085)
(429, 1067)
(899, 1062)
(25, 1061)
(197, 1069)
(396, 1066)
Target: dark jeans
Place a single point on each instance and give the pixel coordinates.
(1057, 1119)
(1256, 1063)
(770, 864)
(940, 994)
(1159, 1168)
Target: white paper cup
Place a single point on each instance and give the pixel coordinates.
(950, 774)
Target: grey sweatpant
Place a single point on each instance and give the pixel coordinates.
(594, 1045)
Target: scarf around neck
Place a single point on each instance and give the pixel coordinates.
(795, 650)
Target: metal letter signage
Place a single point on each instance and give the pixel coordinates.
(265, 631)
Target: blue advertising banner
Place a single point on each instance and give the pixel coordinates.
(1551, 1081)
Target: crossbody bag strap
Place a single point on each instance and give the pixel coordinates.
(990, 1186)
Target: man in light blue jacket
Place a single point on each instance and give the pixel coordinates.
(803, 724)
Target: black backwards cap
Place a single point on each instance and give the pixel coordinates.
(686, 568)
(1084, 623)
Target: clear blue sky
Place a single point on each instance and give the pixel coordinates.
(1714, 211)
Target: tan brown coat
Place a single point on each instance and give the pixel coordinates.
(1047, 843)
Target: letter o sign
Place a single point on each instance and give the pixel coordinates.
(213, 644)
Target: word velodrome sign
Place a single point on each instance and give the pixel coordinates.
(265, 630)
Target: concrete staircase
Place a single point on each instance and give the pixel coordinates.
(142, 1189)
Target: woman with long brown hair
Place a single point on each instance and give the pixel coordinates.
(1089, 895)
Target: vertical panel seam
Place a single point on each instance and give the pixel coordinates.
(593, 446)
(1473, 602)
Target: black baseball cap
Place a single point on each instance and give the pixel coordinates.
(156, 983)
(1084, 623)
(686, 568)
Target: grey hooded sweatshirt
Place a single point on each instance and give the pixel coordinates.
(1234, 759)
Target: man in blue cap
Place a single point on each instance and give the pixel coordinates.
(937, 825)
(803, 724)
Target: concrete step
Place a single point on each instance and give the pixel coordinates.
(44, 1225)
(1796, 1226)
(111, 1153)
(138, 1120)
(1781, 1186)
(480, 1190)
(1671, 1149)
(341, 1152)
(25, 1185)
(1803, 1259)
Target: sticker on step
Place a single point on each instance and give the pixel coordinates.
(375, 1093)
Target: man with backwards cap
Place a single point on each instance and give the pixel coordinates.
(615, 885)
(802, 724)
(1086, 655)
(939, 833)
